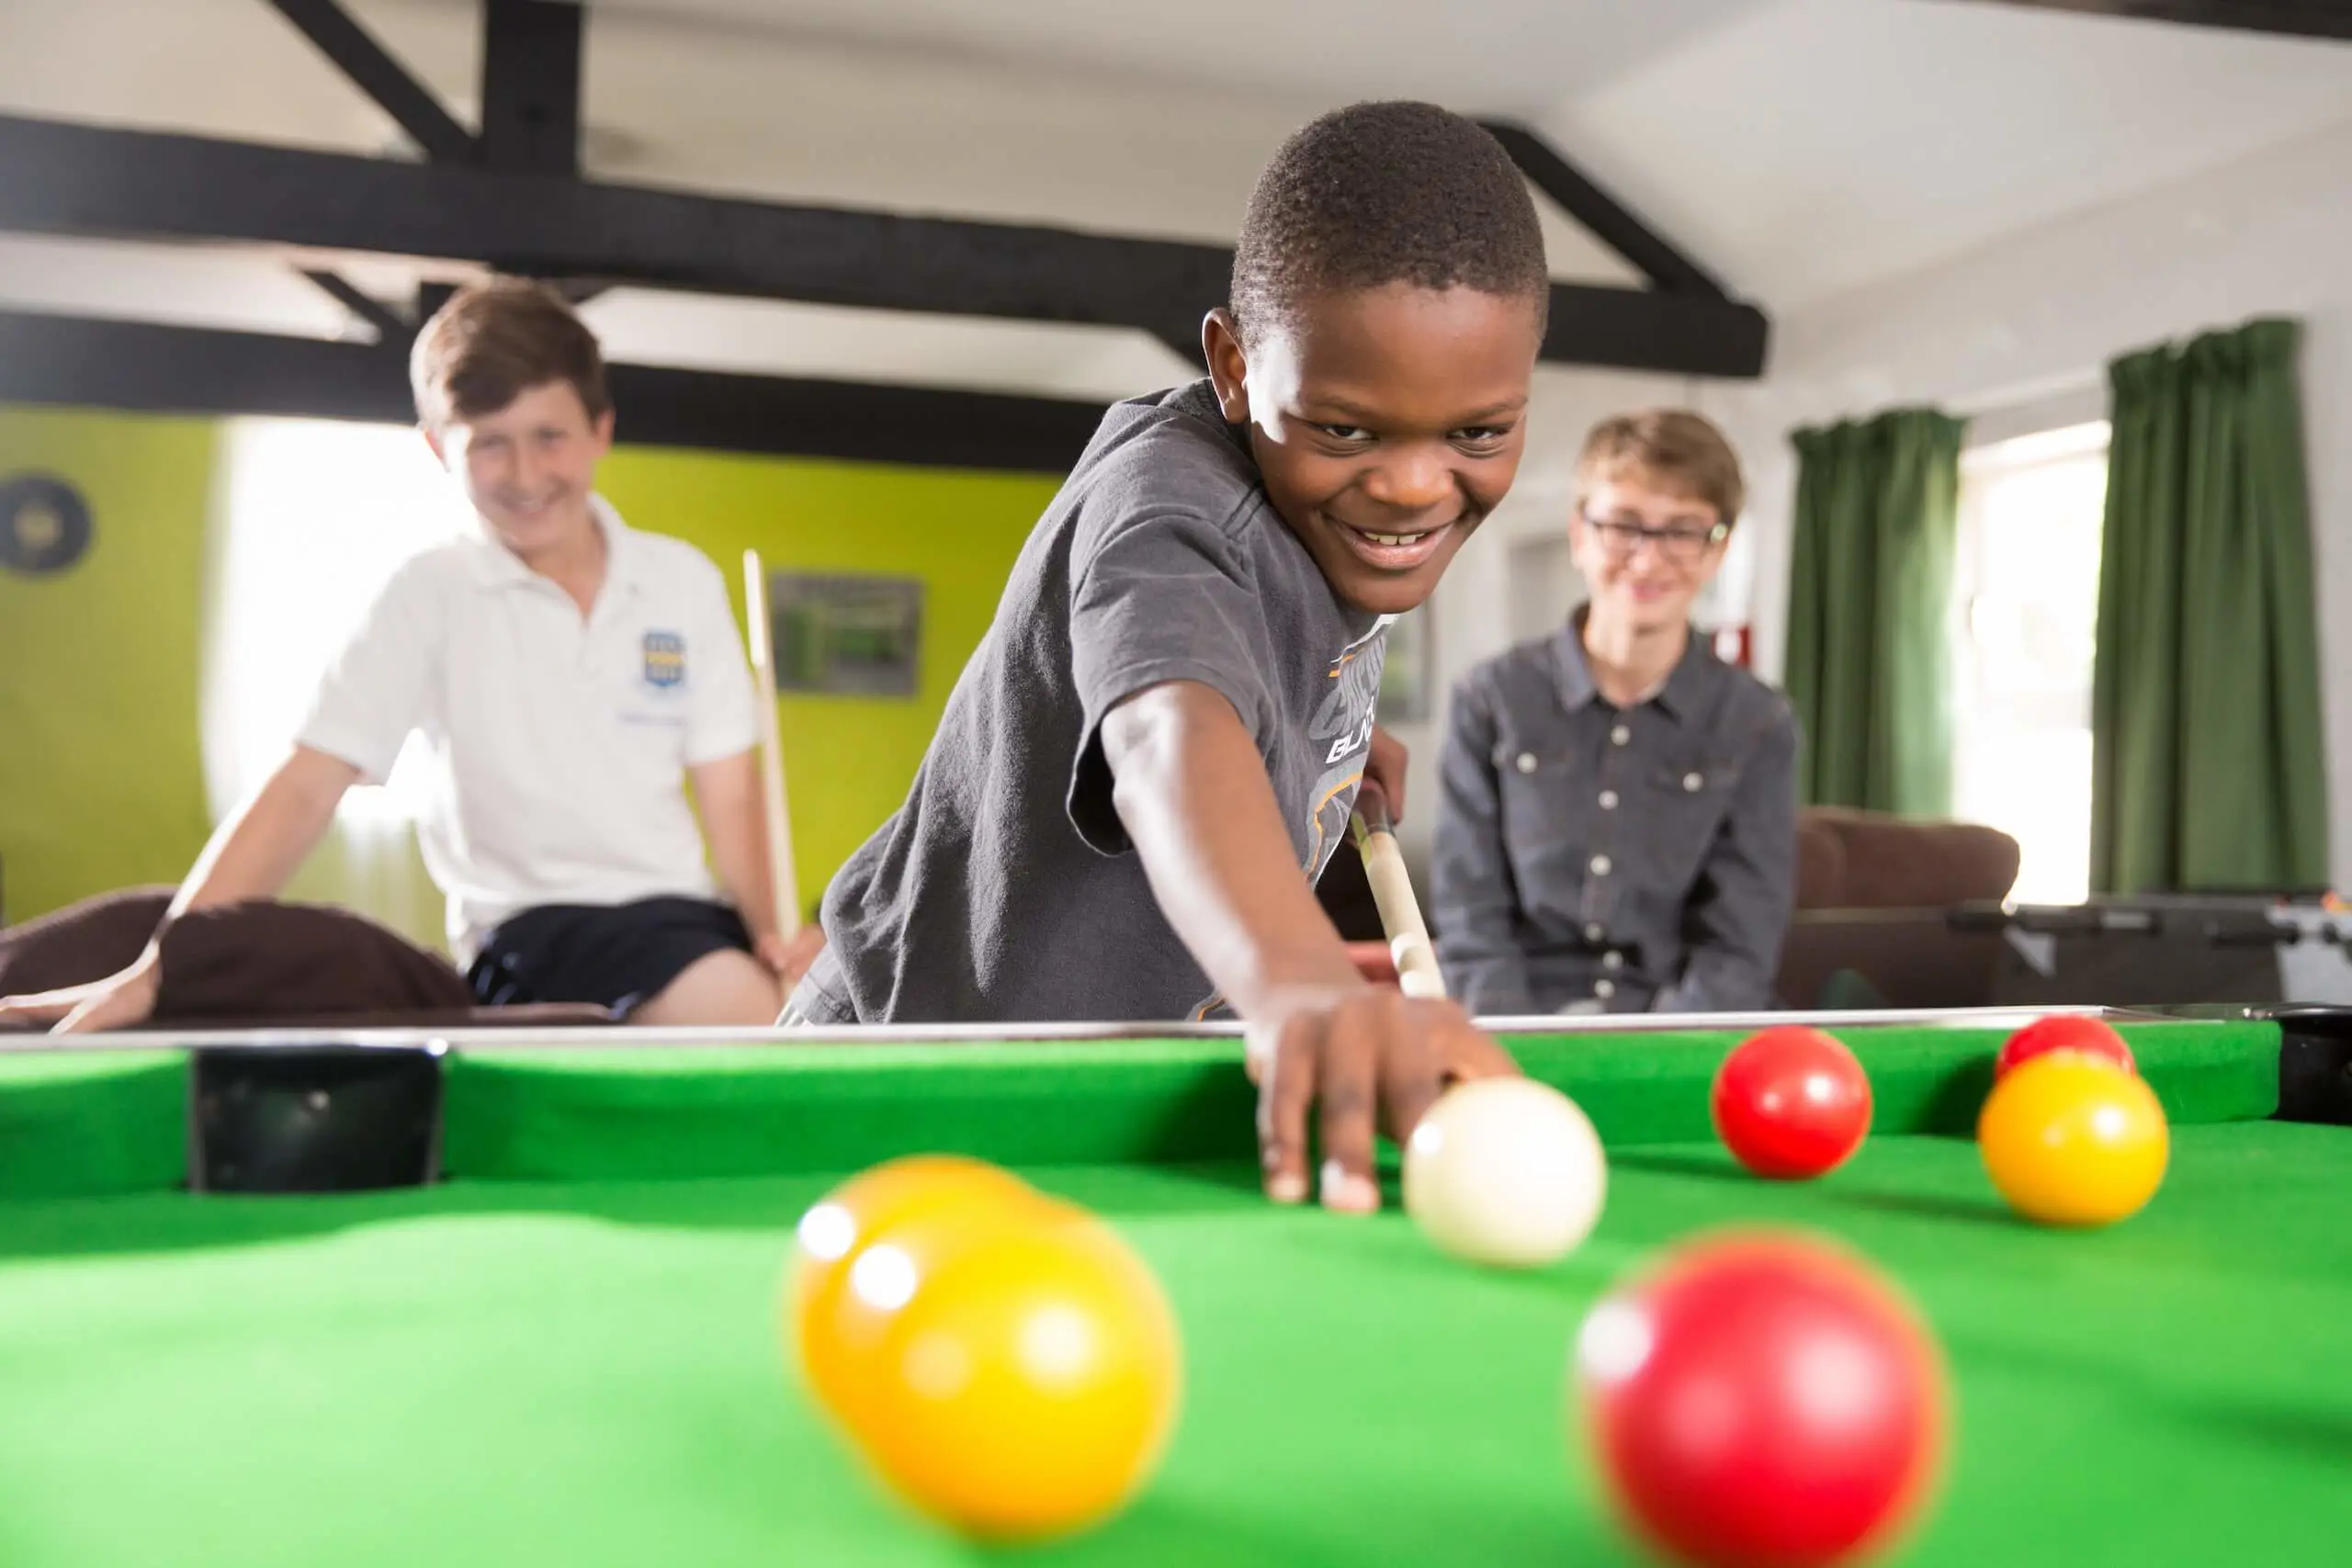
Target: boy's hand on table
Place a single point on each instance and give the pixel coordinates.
(121, 1000)
(789, 956)
(1192, 790)
(1361, 1061)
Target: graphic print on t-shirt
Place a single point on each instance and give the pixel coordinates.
(1343, 728)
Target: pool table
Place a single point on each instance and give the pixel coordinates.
(565, 1349)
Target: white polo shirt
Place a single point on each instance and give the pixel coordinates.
(560, 743)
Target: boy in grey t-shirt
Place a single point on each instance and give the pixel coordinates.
(1157, 746)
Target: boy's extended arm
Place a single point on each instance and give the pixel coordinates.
(1191, 792)
(252, 854)
(726, 789)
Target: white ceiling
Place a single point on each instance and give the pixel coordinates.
(1811, 146)
(1798, 148)
(1504, 56)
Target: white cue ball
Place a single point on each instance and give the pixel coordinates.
(1505, 1171)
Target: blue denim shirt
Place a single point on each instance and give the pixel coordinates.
(1598, 859)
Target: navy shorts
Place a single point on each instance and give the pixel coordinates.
(617, 955)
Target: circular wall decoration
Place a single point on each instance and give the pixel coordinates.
(44, 524)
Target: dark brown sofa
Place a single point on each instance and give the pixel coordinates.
(1871, 926)
(260, 965)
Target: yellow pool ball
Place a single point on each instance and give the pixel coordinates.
(1027, 1387)
(840, 1227)
(2072, 1140)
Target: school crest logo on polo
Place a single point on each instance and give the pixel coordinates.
(665, 660)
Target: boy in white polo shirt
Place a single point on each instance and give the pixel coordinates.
(570, 675)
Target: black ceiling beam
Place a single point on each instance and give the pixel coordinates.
(431, 295)
(1603, 215)
(373, 70)
(72, 179)
(1634, 329)
(57, 360)
(530, 86)
(2294, 18)
(389, 326)
(76, 179)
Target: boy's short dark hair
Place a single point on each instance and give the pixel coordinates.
(1381, 193)
(492, 342)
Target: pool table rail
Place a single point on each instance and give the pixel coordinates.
(296, 1112)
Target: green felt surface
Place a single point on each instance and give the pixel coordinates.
(569, 1355)
(588, 1373)
(76, 1123)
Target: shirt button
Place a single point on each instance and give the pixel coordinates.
(1600, 866)
(1620, 735)
(1525, 762)
(1613, 958)
(1609, 800)
(1595, 931)
(1694, 783)
(1604, 990)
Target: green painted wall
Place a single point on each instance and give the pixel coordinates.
(847, 760)
(101, 782)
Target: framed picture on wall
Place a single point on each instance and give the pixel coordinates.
(846, 636)
(1408, 672)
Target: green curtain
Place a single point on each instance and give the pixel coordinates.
(2208, 771)
(1870, 595)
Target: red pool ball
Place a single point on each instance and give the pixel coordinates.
(1762, 1401)
(2065, 1032)
(1791, 1103)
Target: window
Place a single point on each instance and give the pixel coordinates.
(2026, 584)
(318, 516)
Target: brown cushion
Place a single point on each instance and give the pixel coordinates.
(1821, 863)
(88, 941)
(251, 962)
(272, 959)
(1893, 862)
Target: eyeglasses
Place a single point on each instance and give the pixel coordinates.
(1684, 542)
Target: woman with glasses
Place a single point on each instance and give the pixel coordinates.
(1618, 831)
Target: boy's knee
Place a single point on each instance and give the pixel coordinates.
(730, 987)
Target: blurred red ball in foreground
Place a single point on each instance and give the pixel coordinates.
(1763, 1401)
(2063, 1031)
(1791, 1103)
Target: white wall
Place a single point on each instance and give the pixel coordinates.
(2032, 320)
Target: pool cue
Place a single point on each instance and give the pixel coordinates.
(783, 884)
(1392, 890)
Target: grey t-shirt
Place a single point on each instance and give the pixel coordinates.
(1005, 889)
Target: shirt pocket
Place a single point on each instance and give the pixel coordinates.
(1546, 812)
(1690, 801)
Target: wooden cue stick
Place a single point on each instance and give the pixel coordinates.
(783, 884)
(1392, 890)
